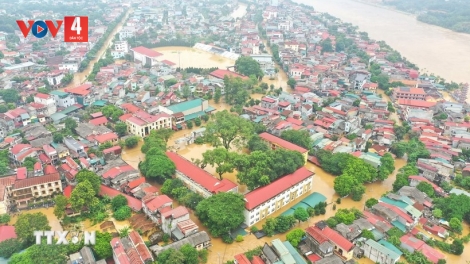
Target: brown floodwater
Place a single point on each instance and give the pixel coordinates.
(48, 212)
(185, 57)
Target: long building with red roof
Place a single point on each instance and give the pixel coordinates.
(262, 202)
(199, 180)
(145, 55)
(277, 142)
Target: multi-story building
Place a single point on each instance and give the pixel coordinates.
(126, 32)
(153, 205)
(71, 65)
(187, 111)
(141, 122)
(48, 101)
(409, 93)
(379, 253)
(75, 146)
(83, 94)
(121, 48)
(25, 190)
(130, 249)
(277, 142)
(55, 77)
(62, 99)
(325, 241)
(262, 202)
(5, 188)
(19, 152)
(199, 180)
(171, 218)
(145, 56)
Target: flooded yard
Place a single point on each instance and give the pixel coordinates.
(185, 57)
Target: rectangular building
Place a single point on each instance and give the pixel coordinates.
(277, 142)
(379, 253)
(199, 180)
(186, 111)
(409, 93)
(141, 123)
(25, 190)
(262, 202)
(145, 56)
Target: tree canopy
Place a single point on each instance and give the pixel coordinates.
(83, 195)
(91, 177)
(226, 129)
(247, 66)
(112, 112)
(221, 159)
(221, 212)
(295, 236)
(28, 223)
(102, 247)
(42, 253)
(298, 137)
(157, 165)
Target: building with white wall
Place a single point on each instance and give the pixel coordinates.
(262, 202)
(145, 56)
(48, 101)
(62, 99)
(121, 48)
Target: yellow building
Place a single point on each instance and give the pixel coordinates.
(141, 123)
(277, 142)
(28, 189)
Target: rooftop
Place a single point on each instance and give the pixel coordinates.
(281, 142)
(36, 181)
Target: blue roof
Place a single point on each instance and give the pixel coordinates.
(314, 199)
(399, 225)
(100, 103)
(390, 246)
(194, 115)
(298, 259)
(289, 211)
(377, 234)
(381, 248)
(184, 106)
(399, 204)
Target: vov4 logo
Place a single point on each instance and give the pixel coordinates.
(89, 238)
(75, 28)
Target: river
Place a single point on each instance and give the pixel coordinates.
(433, 49)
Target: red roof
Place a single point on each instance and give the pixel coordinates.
(134, 183)
(281, 142)
(97, 114)
(19, 147)
(7, 232)
(49, 169)
(416, 103)
(313, 257)
(44, 159)
(176, 212)
(133, 203)
(257, 260)
(83, 89)
(42, 96)
(411, 241)
(242, 259)
(128, 107)
(200, 176)
(115, 171)
(336, 238)
(262, 194)
(106, 137)
(315, 232)
(37, 166)
(102, 120)
(432, 254)
(146, 52)
(409, 90)
(36, 181)
(219, 73)
(68, 191)
(397, 210)
(21, 173)
(158, 202)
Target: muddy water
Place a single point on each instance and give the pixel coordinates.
(185, 57)
(441, 51)
(80, 77)
(239, 12)
(49, 212)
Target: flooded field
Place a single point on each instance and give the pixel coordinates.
(185, 57)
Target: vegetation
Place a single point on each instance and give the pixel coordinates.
(131, 142)
(295, 236)
(28, 223)
(414, 149)
(102, 248)
(42, 253)
(247, 66)
(176, 189)
(185, 255)
(298, 137)
(123, 213)
(280, 224)
(221, 213)
(4, 218)
(9, 247)
(403, 174)
(220, 158)
(156, 164)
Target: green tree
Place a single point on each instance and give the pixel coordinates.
(91, 177)
(171, 256)
(343, 185)
(42, 253)
(120, 128)
(131, 142)
(70, 124)
(217, 95)
(394, 240)
(102, 247)
(29, 163)
(221, 212)
(118, 202)
(190, 254)
(345, 216)
(371, 202)
(3, 108)
(4, 218)
(61, 203)
(426, 188)
(247, 66)
(123, 213)
(298, 137)
(226, 129)
(292, 83)
(186, 92)
(27, 223)
(58, 137)
(9, 247)
(367, 234)
(301, 214)
(157, 165)
(83, 195)
(284, 223)
(269, 227)
(10, 96)
(112, 112)
(295, 236)
(457, 247)
(456, 225)
(387, 166)
(326, 45)
(257, 144)
(221, 159)
(437, 213)
(332, 222)
(163, 133)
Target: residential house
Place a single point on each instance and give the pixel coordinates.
(82, 94)
(263, 201)
(199, 241)
(130, 249)
(48, 101)
(116, 176)
(153, 205)
(379, 253)
(199, 180)
(19, 152)
(5, 188)
(412, 244)
(170, 219)
(320, 233)
(75, 147)
(63, 99)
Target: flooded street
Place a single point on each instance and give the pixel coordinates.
(239, 12)
(80, 77)
(49, 212)
(434, 49)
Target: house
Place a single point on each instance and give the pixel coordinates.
(116, 176)
(141, 122)
(75, 146)
(436, 230)
(241, 259)
(170, 219)
(320, 233)
(48, 101)
(25, 190)
(121, 48)
(282, 252)
(51, 153)
(130, 250)
(262, 202)
(62, 99)
(184, 229)
(19, 152)
(415, 180)
(153, 206)
(106, 138)
(187, 111)
(133, 203)
(199, 180)
(5, 186)
(82, 94)
(409, 93)
(84, 256)
(412, 244)
(276, 142)
(145, 55)
(199, 241)
(379, 253)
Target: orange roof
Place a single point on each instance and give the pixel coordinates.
(281, 142)
(416, 103)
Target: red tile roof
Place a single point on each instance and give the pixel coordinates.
(37, 166)
(19, 147)
(140, 246)
(7, 232)
(397, 210)
(242, 259)
(68, 191)
(316, 234)
(313, 258)
(432, 254)
(409, 90)
(281, 142)
(21, 173)
(263, 194)
(415, 103)
(133, 203)
(42, 96)
(83, 89)
(115, 171)
(111, 149)
(158, 202)
(257, 260)
(102, 120)
(44, 159)
(106, 137)
(220, 74)
(134, 183)
(336, 238)
(119, 252)
(20, 184)
(146, 52)
(200, 176)
(128, 107)
(96, 115)
(176, 212)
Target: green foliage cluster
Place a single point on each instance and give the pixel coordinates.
(295, 236)
(298, 137)
(414, 149)
(175, 188)
(247, 66)
(157, 165)
(4, 162)
(280, 224)
(187, 254)
(456, 247)
(403, 174)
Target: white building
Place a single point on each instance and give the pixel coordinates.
(264, 60)
(126, 32)
(379, 253)
(62, 99)
(171, 218)
(262, 202)
(71, 65)
(145, 56)
(121, 48)
(55, 77)
(46, 100)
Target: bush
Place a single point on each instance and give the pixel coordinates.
(199, 141)
(254, 229)
(118, 202)
(122, 213)
(131, 142)
(239, 238)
